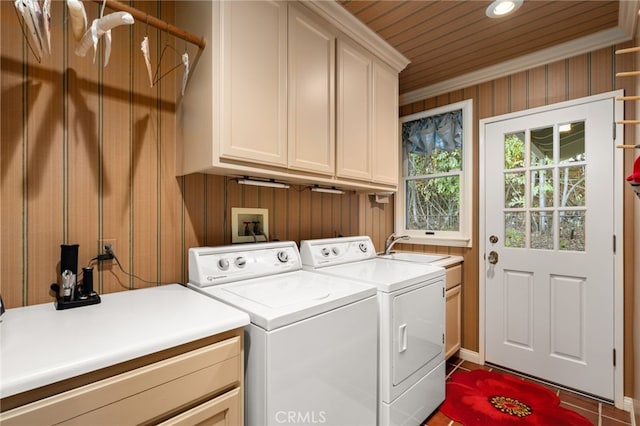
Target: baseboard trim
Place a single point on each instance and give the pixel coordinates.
(470, 356)
(631, 405)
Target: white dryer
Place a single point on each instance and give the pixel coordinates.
(310, 349)
(411, 323)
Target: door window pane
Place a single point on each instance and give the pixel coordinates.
(572, 230)
(542, 230)
(514, 150)
(542, 188)
(572, 186)
(542, 147)
(514, 229)
(572, 142)
(514, 195)
(546, 186)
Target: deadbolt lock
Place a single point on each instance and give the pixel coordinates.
(493, 239)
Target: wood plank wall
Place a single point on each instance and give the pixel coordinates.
(573, 78)
(88, 153)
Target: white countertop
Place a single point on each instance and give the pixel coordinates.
(448, 261)
(445, 262)
(40, 345)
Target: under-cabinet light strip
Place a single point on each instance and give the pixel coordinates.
(268, 183)
(327, 190)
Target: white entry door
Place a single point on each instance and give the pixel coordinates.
(549, 245)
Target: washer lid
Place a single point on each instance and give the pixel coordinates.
(276, 301)
(386, 274)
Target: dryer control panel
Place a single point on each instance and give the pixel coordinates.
(219, 265)
(335, 251)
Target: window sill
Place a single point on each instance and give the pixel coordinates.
(442, 241)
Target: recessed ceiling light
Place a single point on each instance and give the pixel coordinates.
(500, 8)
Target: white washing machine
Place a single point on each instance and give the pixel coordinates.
(411, 323)
(310, 349)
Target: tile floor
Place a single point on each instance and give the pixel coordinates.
(599, 413)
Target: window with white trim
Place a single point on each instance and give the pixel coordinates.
(433, 206)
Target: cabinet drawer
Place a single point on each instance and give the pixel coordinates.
(141, 394)
(223, 410)
(454, 276)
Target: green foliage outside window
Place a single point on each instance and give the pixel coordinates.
(433, 203)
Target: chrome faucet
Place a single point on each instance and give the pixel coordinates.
(392, 240)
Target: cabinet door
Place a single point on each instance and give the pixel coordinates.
(311, 94)
(354, 112)
(254, 79)
(453, 307)
(385, 139)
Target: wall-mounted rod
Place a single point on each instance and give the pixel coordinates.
(628, 50)
(628, 122)
(628, 146)
(628, 74)
(628, 98)
(154, 22)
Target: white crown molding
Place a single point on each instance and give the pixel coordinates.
(569, 49)
(627, 16)
(358, 31)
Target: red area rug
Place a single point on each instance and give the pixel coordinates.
(485, 398)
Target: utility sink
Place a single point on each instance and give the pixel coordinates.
(415, 257)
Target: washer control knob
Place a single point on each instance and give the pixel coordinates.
(363, 247)
(223, 264)
(325, 251)
(283, 256)
(241, 262)
(335, 251)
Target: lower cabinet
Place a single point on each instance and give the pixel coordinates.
(453, 310)
(223, 410)
(199, 386)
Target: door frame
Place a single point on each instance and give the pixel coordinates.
(619, 185)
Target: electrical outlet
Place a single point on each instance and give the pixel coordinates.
(106, 246)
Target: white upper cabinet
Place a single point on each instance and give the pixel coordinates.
(368, 140)
(254, 82)
(311, 93)
(385, 138)
(354, 111)
(289, 91)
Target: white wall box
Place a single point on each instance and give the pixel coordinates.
(263, 102)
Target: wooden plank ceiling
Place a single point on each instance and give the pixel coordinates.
(445, 38)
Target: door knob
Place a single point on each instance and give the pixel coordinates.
(493, 257)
